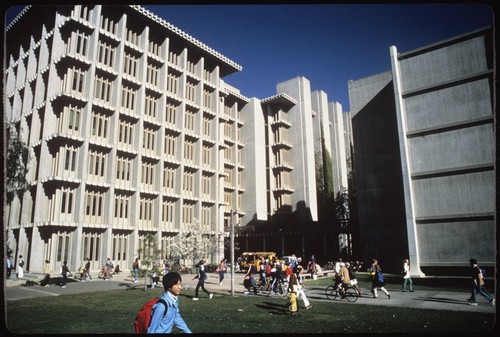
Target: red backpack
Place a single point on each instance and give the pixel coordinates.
(141, 322)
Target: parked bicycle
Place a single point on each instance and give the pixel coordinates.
(349, 293)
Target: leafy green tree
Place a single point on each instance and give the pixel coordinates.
(18, 156)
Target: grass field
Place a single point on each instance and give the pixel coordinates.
(113, 312)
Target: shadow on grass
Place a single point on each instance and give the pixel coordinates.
(274, 308)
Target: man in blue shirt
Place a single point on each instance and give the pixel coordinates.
(161, 321)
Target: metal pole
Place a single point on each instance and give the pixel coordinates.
(232, 252)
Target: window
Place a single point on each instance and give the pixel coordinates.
(151, 106)
(108, 25)
(171, 113)
(73, 80)
(206, 155)
(130, 64)
(66, 200)
(173, 58)
(207, 125)
(173, 84)
(190, 91)
(189, 151)
(106, 54)
(147, 174)
(125, 132)
(154, 48)
(169, 179)
(123, 168)
(207, 99)
(122, 203)
(167, 214)
(133, 37)
(97, 163)
(77, 43)
(128, 98)
(187, 214)
(189, 120)
(148, 141)
(70, 158)
(170, 145)
(102, 89)
(146, 209)
(69, 120)
(205, 187)
(205, 218)
(100, 126)
(93, 206)
(188, 183)
(152, 75)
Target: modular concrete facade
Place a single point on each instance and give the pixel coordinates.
(432, 184)
(134, 132)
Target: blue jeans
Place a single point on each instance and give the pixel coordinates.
(480, 290)
(407, 280)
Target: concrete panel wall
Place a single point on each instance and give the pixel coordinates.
(454, 149)
(467, 101)
(455, 195)
(450, 62)
(436, 250)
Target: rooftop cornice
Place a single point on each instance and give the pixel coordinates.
(233, 65)
(280, 99)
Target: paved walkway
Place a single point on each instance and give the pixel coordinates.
(423, 299)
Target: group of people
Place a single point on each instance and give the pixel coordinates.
(9, 266)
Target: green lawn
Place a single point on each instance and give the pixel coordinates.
(114, 312)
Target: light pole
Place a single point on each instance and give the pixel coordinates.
(232, 251)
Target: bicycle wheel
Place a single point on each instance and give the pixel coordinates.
(331, 292)
(351, 294)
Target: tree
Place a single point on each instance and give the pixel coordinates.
(149, 254)
(191, 245)
(18, 156)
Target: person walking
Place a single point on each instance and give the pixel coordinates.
(135, 269)
(108, 268)
(249, 279)
(406, 275)
(166, 316)
(222, 269)
(9, 266)
(64, 272)
(46, 274)
(86, 270)
(300, 289)
(377, 279)
(20, 267)
(202, 277)
(478, 284)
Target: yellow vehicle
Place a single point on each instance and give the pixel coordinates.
(246, 257)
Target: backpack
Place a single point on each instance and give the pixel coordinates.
(483, 271)
(143, 319)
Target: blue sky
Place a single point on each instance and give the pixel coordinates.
(329, 44)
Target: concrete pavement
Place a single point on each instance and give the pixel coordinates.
(422, 299)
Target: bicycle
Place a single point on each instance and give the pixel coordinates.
(349, 293)
(281, 288)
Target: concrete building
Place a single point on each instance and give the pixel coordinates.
(424, 141)
(132, 129)
(134, 132)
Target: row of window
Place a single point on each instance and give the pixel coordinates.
(62, 208)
